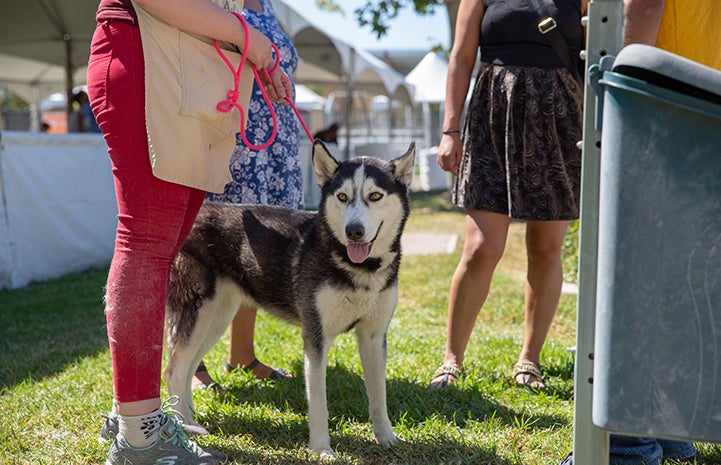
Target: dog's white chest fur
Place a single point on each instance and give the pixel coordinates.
(339, 310)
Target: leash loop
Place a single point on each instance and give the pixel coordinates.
(231, 101)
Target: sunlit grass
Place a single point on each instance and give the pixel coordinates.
(55, 377)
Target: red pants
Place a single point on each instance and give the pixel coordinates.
(154, 216)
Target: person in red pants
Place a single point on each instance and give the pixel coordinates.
(154, 217)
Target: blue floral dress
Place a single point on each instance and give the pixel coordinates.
(271, 176)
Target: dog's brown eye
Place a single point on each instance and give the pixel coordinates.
(375, 196)
(342, 197)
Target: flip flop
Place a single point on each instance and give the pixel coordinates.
(445, 372)
(532, 377)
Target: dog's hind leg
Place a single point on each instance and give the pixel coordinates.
(372, 347)
(182, 361)
(316, 364)
(213, 318)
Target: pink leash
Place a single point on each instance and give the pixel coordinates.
(231, 101)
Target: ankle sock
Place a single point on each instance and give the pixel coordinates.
(141, 430)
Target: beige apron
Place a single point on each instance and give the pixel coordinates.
(189, 140)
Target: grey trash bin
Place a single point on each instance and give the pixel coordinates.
(657, 365)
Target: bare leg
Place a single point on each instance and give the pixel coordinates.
(241, 350)
(483, 248)
(544, 240)
(242, 347)
(140, 407)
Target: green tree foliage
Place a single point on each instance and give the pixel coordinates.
(377, 14)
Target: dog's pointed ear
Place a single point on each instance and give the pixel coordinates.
(403, 165)
(324, 164)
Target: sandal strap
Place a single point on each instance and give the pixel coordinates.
(527, 367)
(201, 368)
(249, 367)
(448, 368)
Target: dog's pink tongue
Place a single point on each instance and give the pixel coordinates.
(358, 252)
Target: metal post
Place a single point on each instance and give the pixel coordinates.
(604, 36)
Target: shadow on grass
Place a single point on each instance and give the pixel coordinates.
(46, 326)
(286, 438)
(354, 449)
(409, 403)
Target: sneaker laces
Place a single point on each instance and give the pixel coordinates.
(173, 433)
(167, 408)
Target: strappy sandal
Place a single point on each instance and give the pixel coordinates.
(531, 375)
(445, 372)
(212, 386)
(276, 375)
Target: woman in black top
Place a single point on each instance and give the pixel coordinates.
(516, 158)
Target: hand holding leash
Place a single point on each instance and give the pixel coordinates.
(275, 82)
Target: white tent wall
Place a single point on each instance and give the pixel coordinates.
(57, 206)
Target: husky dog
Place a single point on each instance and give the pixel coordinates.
(329, 272)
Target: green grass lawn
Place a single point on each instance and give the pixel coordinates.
(55, 377)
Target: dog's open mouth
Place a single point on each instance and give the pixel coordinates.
(358, 251)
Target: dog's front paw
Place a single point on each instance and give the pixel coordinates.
(324, 452)
(387, 438)
(321, 446)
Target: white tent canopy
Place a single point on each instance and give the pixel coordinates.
(343, 66)
(330, 62)
(34, 80)
(53, 39)
(429, 78)
(44, 47)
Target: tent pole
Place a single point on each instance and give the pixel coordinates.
(34, 107)
(68, 78)
(349, 105)
(427, 124)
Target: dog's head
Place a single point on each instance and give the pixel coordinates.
(364, 200)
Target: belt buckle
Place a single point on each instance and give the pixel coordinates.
(547, 25)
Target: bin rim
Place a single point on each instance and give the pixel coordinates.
(688, 102)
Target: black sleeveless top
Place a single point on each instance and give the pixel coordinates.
(510, 35)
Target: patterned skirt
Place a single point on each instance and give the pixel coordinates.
(520, 154)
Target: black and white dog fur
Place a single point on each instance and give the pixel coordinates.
(329, 272)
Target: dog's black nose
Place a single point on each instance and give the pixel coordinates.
(355, 231)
